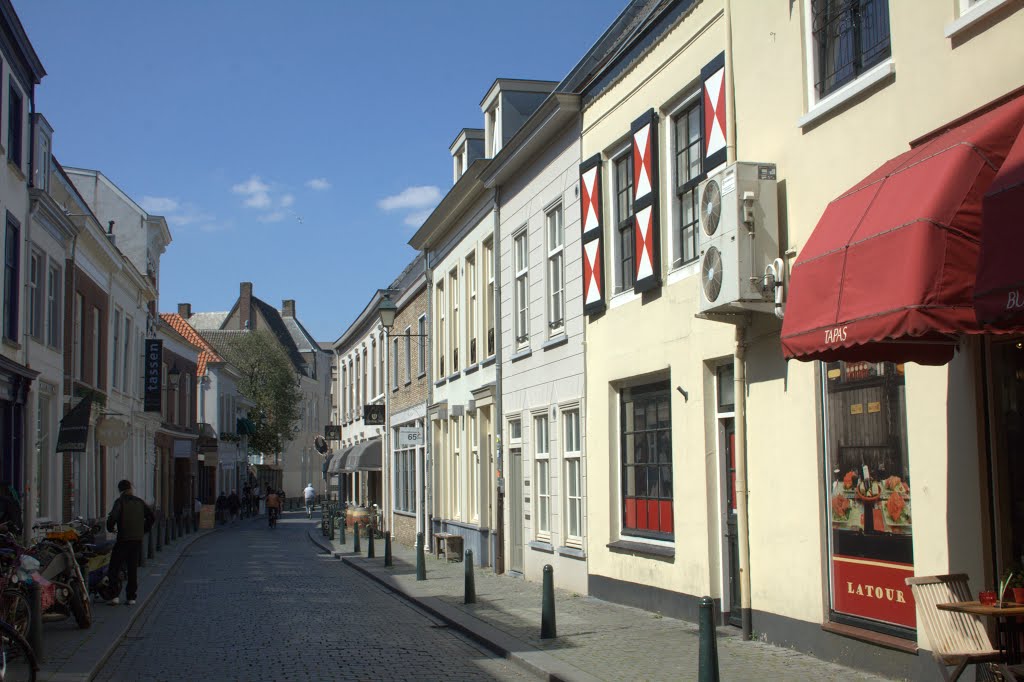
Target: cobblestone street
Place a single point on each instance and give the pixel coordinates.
(251, 603)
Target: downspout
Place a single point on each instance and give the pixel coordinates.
(427, 503)
(739, 367)
(497, 426)
(29, 470)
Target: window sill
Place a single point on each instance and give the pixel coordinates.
(871, 637)
(541, 546)
(440, 382)
(970, 17)
(399, 512)
(452, 377)
(421, 375)
(622, 298)
(574, 552)
(11, 343)
(873, 78)
(472, 368)
(487, 362)
(642, 548)
(684, 271)
(560, 340)
(521, 355)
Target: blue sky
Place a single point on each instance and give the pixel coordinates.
(297, 149)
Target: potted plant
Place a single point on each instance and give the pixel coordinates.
(1012, 582)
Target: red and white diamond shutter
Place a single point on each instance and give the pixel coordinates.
(712, 78)
(647, 239)
(592, 229)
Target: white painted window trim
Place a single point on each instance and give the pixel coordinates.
(554, 252)
(421, 345)
(472, 307)
(453, 323)
(622, 298)
(669, 181)
(819, 107)
(541, 458)
(613, 158)
(567, 457)
(973, 12)
(521, 301)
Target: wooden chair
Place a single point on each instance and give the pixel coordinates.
(957, 639)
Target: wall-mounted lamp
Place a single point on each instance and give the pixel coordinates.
(686, 396)
(173, 377)
(388, 310)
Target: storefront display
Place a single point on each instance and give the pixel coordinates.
(870, 506)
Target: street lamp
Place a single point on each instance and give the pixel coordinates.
(173, 377)
(387, 311)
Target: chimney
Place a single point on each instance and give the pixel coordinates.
(185, 310)
(245, 317)
(288, 307)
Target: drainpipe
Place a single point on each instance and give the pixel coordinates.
(498, 425)
(739, 366)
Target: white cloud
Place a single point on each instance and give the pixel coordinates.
(287, 200)
(255, 191)
(274, 217)
(319, 184)
(420, 197)
(158, 205)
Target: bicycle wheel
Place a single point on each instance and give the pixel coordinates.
(17, 661)
(14, 609)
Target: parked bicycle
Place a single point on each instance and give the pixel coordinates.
(17, 660)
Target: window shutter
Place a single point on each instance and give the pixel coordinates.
(592, 236)
(647, 238)
(712, 78)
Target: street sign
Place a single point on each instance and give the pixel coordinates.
(409, 436)
(332, 431)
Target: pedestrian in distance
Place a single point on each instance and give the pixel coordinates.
(273, 507)
(234, 506)
(310, 494)
(257, 495)
(132, 518)
(221, 507)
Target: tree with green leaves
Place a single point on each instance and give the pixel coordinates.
(269, 380)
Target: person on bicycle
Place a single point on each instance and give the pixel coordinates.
(310, 495)
(273, 507)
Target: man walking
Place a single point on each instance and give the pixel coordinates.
(310, 494)
(133, 518)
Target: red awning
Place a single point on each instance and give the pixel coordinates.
(889, 271)
(999, 292)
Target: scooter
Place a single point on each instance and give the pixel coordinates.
(59, 567)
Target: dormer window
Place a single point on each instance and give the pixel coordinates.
(492, 131)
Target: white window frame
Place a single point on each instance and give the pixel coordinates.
(971, 12)
(408, 354)
(115, 349)
(35, 283)
(54, 311)
(572, 454)
(555, 266)
(78, 333)
(542, 476)
(473, 467)
(97, 334)
(395, 369)
(455, 433)
(472, 345)
(488, 315)
(441, 331)
(521, 289)
(675, 217)
(618, 288)
(126, 364)
(453, 323)
(421, 327)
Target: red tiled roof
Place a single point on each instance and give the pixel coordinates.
(206, 353)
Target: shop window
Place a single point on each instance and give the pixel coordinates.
(868, 479)
(646, 457)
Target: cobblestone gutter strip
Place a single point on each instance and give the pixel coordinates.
(522, 654)
(80, 654)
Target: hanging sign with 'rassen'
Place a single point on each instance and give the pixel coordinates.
(154, 361)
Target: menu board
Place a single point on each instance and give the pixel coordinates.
(207, 516)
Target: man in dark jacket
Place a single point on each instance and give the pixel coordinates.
(133, 519)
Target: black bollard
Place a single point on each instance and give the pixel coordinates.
(159, 528)
(421, 562)
(355, 537)
(369, 543)
(35, 625)
(470, 596)
(341, 530)
(387, 550)
(707, 670)
(150, 544)
(547, 605)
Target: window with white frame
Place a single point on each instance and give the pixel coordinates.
(382, 348)
(573, 478)
(455, 432)
(344, 392)
(356, 410)
(453, 321)
(687, 129)
(623, 198)
(473, 466)
(441, 329)
(556, 270)
(405, 477)
(542, 458)
(395, 365)
(115, 366)
(471, 309)
(408, 354)
(373, 370)
(488, 307)
(126, 365)
(521, 306)
(54, 312)
(421, 327)
(97, 356)
(849, 37)
(36, 262)
(79, 321)
(366, 377)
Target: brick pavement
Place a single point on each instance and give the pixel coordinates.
(596, 639)
(251, 603)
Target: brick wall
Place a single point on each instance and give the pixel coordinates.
(416, 392)
(93, 298)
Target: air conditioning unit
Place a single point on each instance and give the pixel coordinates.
(738, 238)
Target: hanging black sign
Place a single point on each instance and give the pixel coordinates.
(332, 431)
(373, 415)
(154, 361)
(74, 427)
